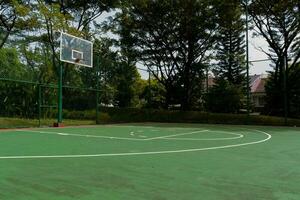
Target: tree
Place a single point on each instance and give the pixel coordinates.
(10, 92)
(172, 39)
(125, 77)
(224, 97)
(10, 65)
(231, 44)
(74, 17)
(230, 55)
(278, 22)
(294, 87)
(14, 16)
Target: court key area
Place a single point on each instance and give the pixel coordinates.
(150, 161)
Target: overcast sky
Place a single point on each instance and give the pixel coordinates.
(255, 54)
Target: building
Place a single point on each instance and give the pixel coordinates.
(258, 93)
(208, 83)
(257, 89)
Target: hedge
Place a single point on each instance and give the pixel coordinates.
(131, 115)
(116, 115)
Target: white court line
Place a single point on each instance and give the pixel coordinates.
(80, 135)
(205, 139)
(110, 137)
(144, 153)
(208, 139)
(174, 135)
(63, 133)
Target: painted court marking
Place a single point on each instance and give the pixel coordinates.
(237, 136)
(268, 137)
(179, 134)
(166, 137)
(80, 135)
(111, 137)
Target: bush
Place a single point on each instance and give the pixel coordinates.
(127, 115)
(150, 115)
(103, 118)
(224, 97)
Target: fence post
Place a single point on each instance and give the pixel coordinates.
(285, 60)
(97, 89)
(40, 102)
(149, 85)
(247, 64)
(59, 116)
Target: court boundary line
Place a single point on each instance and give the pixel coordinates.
(111, 137)
(81, 135)
(174, 135)
(166, 137)
(209, 139)
(205, 139)
(144, 153)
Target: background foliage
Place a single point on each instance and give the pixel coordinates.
(179, 42)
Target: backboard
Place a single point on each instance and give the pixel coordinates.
(76, 50)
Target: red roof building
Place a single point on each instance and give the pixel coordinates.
(258, 93)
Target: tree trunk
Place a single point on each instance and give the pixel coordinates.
(185, 105)
(4, 40)
(167, 97)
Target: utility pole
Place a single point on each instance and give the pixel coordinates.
(60, 96)
(97, 89)
(149, 85)
(285, 60)
(247, 61)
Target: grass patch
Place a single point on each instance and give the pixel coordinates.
(132, 115)
(24, 123)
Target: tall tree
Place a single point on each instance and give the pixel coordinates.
(224, 97)
(14, 16)
(278, 22)
(231, 43)
(74, 17)
(230, 55)
(173, 39)
(294, 87)
(124, 80)
(10, 92)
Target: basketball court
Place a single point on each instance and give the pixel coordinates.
(92, 95)
(150, 161)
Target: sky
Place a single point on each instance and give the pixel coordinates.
(255, 54)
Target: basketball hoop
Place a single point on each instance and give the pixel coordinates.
(77, 60)
(76, 50)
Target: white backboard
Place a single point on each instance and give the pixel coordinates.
(76, 50)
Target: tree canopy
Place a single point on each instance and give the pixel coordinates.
(180, 43)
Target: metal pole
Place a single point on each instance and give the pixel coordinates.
(105, 79)
(60, 100)
(39, 103)
(206, 79)
(285, 89)
(247, 62)
(97, 88)
(149, 82)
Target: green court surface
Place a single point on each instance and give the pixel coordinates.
(150, 162)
